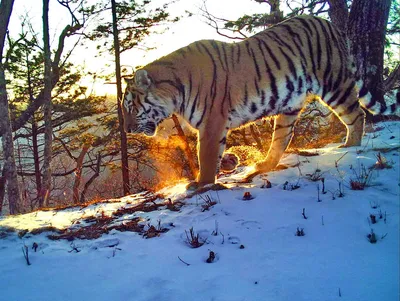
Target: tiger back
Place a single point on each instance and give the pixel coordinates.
(218, 86)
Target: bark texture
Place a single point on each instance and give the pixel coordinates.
(366, 31)
(10, 169)
(339, 13)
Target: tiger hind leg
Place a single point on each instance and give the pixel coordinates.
(355, 122)
(283, 133)
(353, 117)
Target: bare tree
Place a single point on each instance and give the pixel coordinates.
(11, 176)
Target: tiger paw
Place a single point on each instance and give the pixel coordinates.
(350, 144)
(218, 186)
(249, 178)
(192, 186)
(196, 186)
(281, 167)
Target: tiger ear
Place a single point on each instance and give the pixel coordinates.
(142, 80)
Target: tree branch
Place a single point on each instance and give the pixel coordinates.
(393, 79)
(212, 21)
(65, 147)
(39, 100)
(92, 178)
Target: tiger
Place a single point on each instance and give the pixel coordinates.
(217, 86)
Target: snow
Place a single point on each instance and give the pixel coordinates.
(333, 261)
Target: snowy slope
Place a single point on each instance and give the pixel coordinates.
(258, 255)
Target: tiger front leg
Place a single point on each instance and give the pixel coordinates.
(210, 149)
(283, 133)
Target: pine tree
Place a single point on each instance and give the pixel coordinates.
(130, 25)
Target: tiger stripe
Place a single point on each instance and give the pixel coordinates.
(218, 86)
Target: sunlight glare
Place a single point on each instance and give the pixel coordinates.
(40, 219)
(176, 189)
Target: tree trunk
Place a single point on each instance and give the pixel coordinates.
(78, 172)
(393, 80)
(339, 13)
(92, 178)
(124, 142)
(11, 176)
(189, 155)
(366, 31)
(275, 15)
(2, 187)
(35, 144)
(36, 159)
(47, 108)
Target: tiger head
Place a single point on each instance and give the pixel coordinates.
(142, 109)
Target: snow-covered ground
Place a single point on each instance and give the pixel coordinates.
(257, 253)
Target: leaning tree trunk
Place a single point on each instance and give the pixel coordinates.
(124, 141)
(47, 108)
(91, 180)
(366, 31)
(11, 177)
(78, 172)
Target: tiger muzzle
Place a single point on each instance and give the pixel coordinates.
(149, 129)
(129, 128)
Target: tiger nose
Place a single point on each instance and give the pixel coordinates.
(128, 128)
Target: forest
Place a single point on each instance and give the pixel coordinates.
(63, 142)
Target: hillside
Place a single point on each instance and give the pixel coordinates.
(296, 240)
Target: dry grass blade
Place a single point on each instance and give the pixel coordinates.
(194, 240)
(25, 251)
(208, 203)
(362, 178)
(381, 162)
(99, 226)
